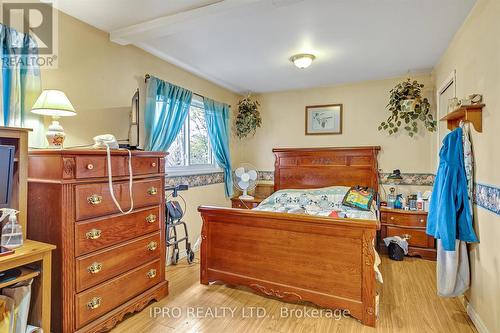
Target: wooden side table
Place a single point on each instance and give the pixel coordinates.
(261, 192)
(245, 204)
(30, 253)
(410, 224)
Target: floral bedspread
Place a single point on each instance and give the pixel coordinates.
(326, 201)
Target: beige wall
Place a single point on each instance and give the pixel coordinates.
(100, 78)
(475, 54)
(212, 195)
(364, 108)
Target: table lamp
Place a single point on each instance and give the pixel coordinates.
(54, 103)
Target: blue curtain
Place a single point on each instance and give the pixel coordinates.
(217, 118)
(167, 107)
(21, 83)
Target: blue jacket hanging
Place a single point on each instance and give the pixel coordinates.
(450, 215)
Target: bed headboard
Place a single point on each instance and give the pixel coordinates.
(321, 167)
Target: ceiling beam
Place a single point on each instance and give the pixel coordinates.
(171, 24)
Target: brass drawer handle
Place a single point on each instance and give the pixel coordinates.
(152, 246)
(95, 268)
(406, 236)
(153, 165)
(94, 303)
(152, 191)
(90, 166)
(93, 234)
(94, 199)
(151, 273)
(151, 218)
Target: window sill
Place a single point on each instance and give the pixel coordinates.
(192, 172)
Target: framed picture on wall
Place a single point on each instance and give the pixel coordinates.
(324, 119)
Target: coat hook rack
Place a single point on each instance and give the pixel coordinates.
(467, 113)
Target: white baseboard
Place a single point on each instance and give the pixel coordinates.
(196, 246)
(476, 319)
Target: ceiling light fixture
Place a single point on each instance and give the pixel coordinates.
(302, 60)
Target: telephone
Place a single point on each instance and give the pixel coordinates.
(108, 142)
(104, 141)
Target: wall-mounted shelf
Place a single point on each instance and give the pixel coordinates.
(468, 113)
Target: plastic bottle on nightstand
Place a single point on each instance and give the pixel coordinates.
(420, 201)
(12, 234)
(391, 198)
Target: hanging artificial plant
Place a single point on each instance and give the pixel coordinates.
(407, 108)
(248, 118)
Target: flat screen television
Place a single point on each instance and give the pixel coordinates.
(6, 174)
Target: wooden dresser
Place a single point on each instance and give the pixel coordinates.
(409, 224)
(106, 264)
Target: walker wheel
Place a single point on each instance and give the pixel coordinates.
(190, 256)
(175, 257)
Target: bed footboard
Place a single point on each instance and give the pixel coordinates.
(326, 261)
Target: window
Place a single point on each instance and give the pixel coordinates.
(190, 153)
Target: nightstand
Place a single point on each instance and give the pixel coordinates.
(261, 192)
(410, 224)
(245, 204)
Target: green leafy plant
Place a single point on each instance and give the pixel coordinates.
(407, 108)
(248, 118)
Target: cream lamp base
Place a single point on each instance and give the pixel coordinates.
(55, 135)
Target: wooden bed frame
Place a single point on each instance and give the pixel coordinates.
(323, 260)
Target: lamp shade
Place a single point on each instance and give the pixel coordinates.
(53, 103)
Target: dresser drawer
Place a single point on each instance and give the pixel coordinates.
(417, 237)
(95, 302)
(404, 219)
(94, 200)
(103, 265)
(100, 233)
(97, 166)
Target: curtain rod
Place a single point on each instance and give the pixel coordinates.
(147, 77)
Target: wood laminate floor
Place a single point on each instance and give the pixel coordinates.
(408, 303)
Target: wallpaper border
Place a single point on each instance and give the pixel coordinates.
(196, 180)
(424, 179)
(421, 179)
(487, 197)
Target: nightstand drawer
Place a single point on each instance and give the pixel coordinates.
(415, 237)
(405, 219)
(242, 204)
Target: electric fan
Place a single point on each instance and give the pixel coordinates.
(245, 179)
